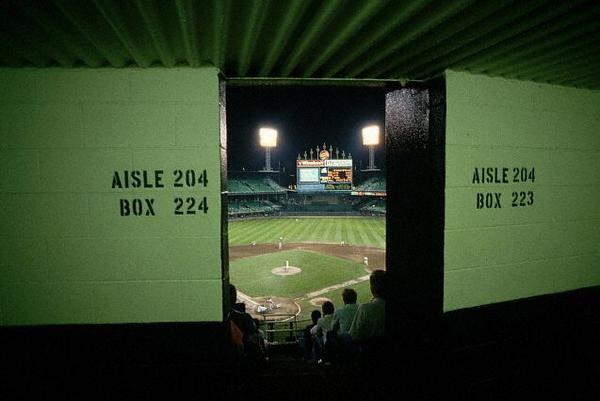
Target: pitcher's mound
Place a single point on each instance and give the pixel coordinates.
(286, 270)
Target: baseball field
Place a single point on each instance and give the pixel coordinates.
(290, 265)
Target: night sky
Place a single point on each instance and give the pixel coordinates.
(305, 117)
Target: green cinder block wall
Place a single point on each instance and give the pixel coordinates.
(548, 240)
(67, 255)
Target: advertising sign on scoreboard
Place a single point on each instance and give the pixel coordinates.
(339, 163)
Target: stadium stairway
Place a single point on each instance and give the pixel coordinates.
(288, 377)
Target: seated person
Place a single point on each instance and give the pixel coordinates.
(238, 313)
(324, 325)
(262, 341)
(344, 316)
(340, 342)
(369, 321)
(245, 323)
(306, 342)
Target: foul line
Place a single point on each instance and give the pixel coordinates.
(246, 298)
(332, 287)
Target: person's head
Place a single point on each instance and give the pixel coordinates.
(232, 295)
(378, 283)
(349, 296)
(315, 315)
(327, 308)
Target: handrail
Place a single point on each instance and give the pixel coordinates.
(289, 325)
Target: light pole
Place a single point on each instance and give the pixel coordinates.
(370, 137)
(268, 140)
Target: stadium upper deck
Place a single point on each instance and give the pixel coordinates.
(254, 186)
(253, 195)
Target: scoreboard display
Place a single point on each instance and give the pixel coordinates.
(324, 175)
(335, 175)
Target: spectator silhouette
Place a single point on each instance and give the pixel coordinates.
(343, 317)
(323, 326)
(368, 328)
(242, 321)
(238, 314)
(261, 338)
(306, 343)
(369, 321)
(339, 341)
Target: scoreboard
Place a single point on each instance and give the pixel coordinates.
(324, 175)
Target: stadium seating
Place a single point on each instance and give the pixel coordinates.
(258, 195)
(377, 184)
(254, 185)
(374, 207)
(243, 207)
(246, 196)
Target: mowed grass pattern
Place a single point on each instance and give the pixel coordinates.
(253, 275)
(367, 231)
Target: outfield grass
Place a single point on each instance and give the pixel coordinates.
(253, 275)
(369, 231)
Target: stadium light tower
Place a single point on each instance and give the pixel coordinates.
(268, 140)
(370, 137)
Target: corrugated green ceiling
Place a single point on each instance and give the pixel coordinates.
(545, 41)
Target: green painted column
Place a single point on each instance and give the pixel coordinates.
(522, 190)
(110, 197)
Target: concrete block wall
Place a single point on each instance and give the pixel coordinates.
(551, 245)
(66, 253)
